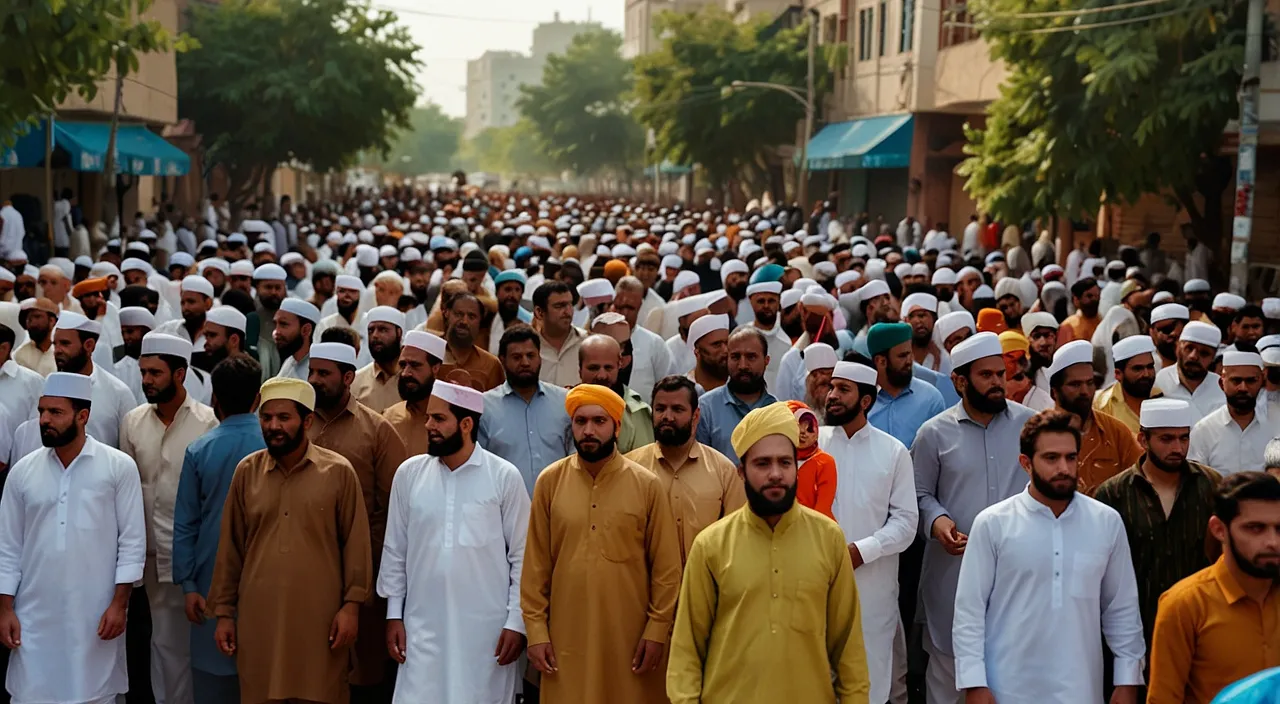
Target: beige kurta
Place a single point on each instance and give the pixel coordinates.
(294, 548)
(30, 356)
(376, 388)
(603, 556)
(375, 450)
(410, 423)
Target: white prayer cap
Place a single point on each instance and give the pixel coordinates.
(1201, 333)
(919, 301)
(818, 300)
(979, 346)
(774, 287)
(1161, 297)
(819, 355)
(621, 251)
(68, 385)
(137, 316)
(215, 263)
(74, 321)
(1271, 357)
(6, 275)
(242, 267)
(671, 261)
(684, 280)
(409, 255)
(463, 396)
(873, 288)
(138, 265)
(84, 261)
(425, 341)
(366, 255)
(384, 314)
(902, 270)
(1271, 308)
(1196, 286)
(967, 272)
(237, 238)
(1235, 358)
(300, 308)
(269, 272)
(261, 247)
(706, 324)
(1230, 301)
(181, 259)
(1268, 341)
(948, 324)
(197, 284)
(596, 290)
(790, 297)
(339, 352)
(826, 270)
(1031, 321)
(609, 318)
(857, 373)
(1008, 286)
(803, 284)
(733, 266)
(847, 277)
(984, 291)
(1132, 346)
(227, 317)
(160, 343)
(944, 277)
(1071, 354)
(387, 250)
(348, 281)
(686, 305)
(292, 258)
(919, 269)
(1169, 311)
(1165, 413)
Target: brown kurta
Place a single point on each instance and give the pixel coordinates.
(410, 423)
(603, 556)
(375, 388)
(484, 369)
(375, 450)
(294, 548)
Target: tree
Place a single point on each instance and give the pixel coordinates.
(506, 150)
(312, 81)
(431, 143)
(686, 98)
(581, 114)
(1107, 113)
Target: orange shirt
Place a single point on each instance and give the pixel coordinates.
(1078, 327)
(816, 483)
(1107, 448)
(1209, 634)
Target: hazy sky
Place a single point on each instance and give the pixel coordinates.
(451, 33)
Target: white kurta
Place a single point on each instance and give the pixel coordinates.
(451, 569)
(290, 367)
(876, 507)
(682, 358)
(1206, 399)
(650, 362)
(1036, 596)
(198, 384)
(68, 536)
(111, 401)
(1218, 442)
(20, 388)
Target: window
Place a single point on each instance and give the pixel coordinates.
(956, 25)
(884, 20)
(865, 17)
(907, 42)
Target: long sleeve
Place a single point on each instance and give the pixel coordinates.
(900, 527)
(662, 545)
(224, 591)
(131, 525)
(535, 575)
(973, 593)
(845, 647)
(691, 637)
(515, 528)
(392, 578)
(353, 536)
(186, 525)
(1121, 617)
(1173, 645)
(12, 535)
(924, 456)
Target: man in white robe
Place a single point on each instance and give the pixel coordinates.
(75, 338)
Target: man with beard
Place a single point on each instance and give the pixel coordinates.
(508, 288)
(462, 316)
(708, 338)
(135, 322)
(270, 284)
(725, 626)
(968, 281)
(375, 450)
(37, 316)
(904, 402)
(295, 325)
(599, 358)
(701, 484)
(324, 277)
(197, 299)
(156, 436)
(56, 286)
(1223, 311)
(1009, 301)
(733, 278)
(764, 298)
(650, 358)
(819, 360)
(875, 302)
(601, 566)
(1085, 321)
(1246, 328)
(1167, 321)
(1018, 637)
(791, 314)
(1041, 330)
(1107, 446)
(420, 357)
(65, 592)
(1165, 502)
(347, 302)
(920, 310)
(240, 276)
(1214, 627)
(1135, 381)
(818, 315)
(419, 278)
(951, 488)
(686, 312)
(1190, 379)
(524, 419)
(224, 335)
(875, 506)
(290, 617)
(447, 608)
(1234, 437)
(375, 384)
(723, 408)
(74, 339)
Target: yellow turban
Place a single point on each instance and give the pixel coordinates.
(774, 419)
(290, 389)
(595, 395)
(1014, 341)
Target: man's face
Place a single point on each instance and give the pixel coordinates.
(194, 306)
(966, 286)
(1194, 359)
(1055, 467)
(558, 316)
(462, 320)
(1166, 447)
(384, 342)
(509, 294)
(1076, 394)
(444, 431)
(735, 285)
(946, 292)
(674, 417)
(712, 352)
(387, 292)
(817, 385)
(594, 433)
(1138, 375)
(55, 286)
(1241, 384)
(765, 306)
(159, 384)
(134, 277)
(39, 324)
(844, 402)
(92, 305)
(792, 320)
(1247, 330)
(283, 429)
(270, 294)
(1254, 538)
(132, 337)
(419, 280)
(897, 365)
(747, 361)
(217, 343)
(1011, 306)
(957, 337)
(473, 279)
(348, 301)
(288, 333)
(647, 273)
(417, 377)
(599, 365)
(1087, 303)
(983, 388)
(880, 310)
(328, 381)
(323, 285)
(627, 304)
(215, 277)
(240, 283)
(69, 353)
(1043, 342)
(768, 471)
(1165, 336)
(60, 423)
(24, 288)
(522, 364)
(921, 326)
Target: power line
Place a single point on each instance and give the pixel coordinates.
(1080, 27)
(461, 18)
(1078, 12)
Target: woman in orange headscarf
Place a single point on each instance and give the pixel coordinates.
(816, 475)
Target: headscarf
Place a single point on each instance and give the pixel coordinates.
(595, 395)
(774, 419)
(1119, 320)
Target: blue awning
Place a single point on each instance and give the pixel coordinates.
(139, 151)
(870, 143)
(669, 169)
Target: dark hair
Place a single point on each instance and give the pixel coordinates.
(676, 382)
(138, 296)
(86, 336)
(459, 412)
(235, 381)
(174, 362)
(516, 334)
(868, 390)
(79, 404)
(239, 300)
(1243, 486)
(346, 336)
(1052, 420)
(543, 293)
(754, 333)
(7, 335)
(453, 301)
(1078, 288)
(1251, 310)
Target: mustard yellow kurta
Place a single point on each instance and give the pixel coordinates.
(601, 571)
(1113, 401)
(703, 488)
(767, 615)
(294, 548)
(410, 423)
(376, 388)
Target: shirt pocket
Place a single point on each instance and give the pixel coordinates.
(809, 607)
(1087, 569)
(481, 525)
(94, 510)
(623, 539)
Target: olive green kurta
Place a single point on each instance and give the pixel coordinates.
(601, 571)
(294, 548)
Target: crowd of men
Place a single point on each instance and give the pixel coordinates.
(463, 448)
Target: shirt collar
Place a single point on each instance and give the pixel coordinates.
(633, 400)
(731, 400)
(506, 389)
(1031, 504)
(788, 519)
(1231, 589)
(962, 415)
(9, 368)
(239, 419)
(308, 458)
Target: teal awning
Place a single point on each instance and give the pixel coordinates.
(139, 151)
(669, 169)
(870, 143)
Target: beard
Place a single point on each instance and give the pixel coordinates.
(522, 381)
(348, 311)
(39, 335)
(411, 391)
(766, 319)
(716, 368)
(1254, 568)
(794, 328)
(672, 435)
(1140, 389)
(1038, 362)
(746, 383)
(899, 379)
(281, 443)
(91, 312)
(1168, 350)
(921, 338)
(271, 303)
(1089, 310)
(1082, 406)
(51, 437)
(1052, 492)
(212, 357)
(1242, 402)
(193, 321)
(507, 310)
(324, 399)
(1194, 371)
(983, 402)
(765, 507)
(838, 419)
(75, 364)
(384, 354)
(441, 446)
(1171, 467)
(290, 348)
(419, 293)
(602, 450)
(737, 292)
(164, 395)
(133, 349)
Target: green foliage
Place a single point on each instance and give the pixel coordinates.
(506, 150)
(431, 143)
(682, 89)
(580, 114)
(1109, 112)
(316, 81)
(53, 48)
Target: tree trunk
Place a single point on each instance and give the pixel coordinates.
(1216, 175)
(110, 198)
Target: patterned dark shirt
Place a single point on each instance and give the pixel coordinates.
(1164, 550)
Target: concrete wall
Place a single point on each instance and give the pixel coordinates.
(965, 79)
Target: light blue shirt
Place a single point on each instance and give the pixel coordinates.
(939, 381)
(207, 468)
(721, 413)
(901, 417)
(789, 384)
(1259, 688)
(529, 435)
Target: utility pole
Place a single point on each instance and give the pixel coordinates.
(1247, 154)
(803, 187)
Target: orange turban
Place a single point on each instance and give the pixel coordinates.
(615, 269)
(595, 395)
(991, 320)
(89, 286)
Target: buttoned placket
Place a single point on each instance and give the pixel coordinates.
(64, 488)
(450, 504)
(1058, 561)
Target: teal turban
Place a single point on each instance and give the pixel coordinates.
(884, 336)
